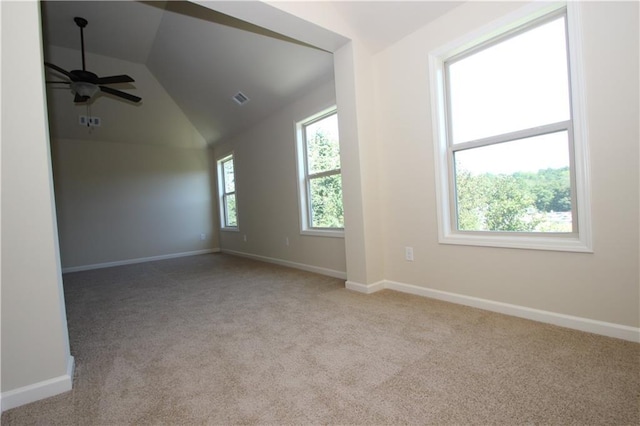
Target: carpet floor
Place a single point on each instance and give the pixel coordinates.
(217, 339)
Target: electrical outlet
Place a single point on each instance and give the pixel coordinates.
(408, 254)
(203, 236)
(245, 238)
(286, 241)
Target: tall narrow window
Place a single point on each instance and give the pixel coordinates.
(320, 181)
(511, 167)
(227, 193)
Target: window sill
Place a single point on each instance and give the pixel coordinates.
(553, 242)
(323, 233)
(230, 229)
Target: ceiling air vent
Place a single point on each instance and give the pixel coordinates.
(240, 98)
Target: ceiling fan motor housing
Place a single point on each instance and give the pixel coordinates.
(81, 75)
(81, 22)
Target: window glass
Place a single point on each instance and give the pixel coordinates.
(512, 182)
(323, 147)
(522, 185)
(231, 218)
(227, 194)
(229, 178)
(326, 202)
(320, 180)
(519, 83)
(509, 134)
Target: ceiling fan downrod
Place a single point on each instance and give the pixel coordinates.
(81, 22)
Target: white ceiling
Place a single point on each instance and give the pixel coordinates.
(202, 57)
(382, 23)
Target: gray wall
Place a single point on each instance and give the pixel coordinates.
(268, 213)
(138, 186)
(118, 201)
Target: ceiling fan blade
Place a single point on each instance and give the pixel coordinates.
(59, 82)
(60, 70)
(121, 94)
(115, 79)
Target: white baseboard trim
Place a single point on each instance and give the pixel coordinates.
(37, 391)
(365, 288)
(576, 323)
(309, 268)
(138, 260)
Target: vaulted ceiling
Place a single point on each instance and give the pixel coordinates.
(203, 58)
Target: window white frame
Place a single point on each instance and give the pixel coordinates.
(223, 194)
(579, 241)
(304, 178)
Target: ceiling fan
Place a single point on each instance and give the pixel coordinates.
(84, 84)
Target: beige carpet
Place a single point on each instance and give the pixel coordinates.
(216, 339)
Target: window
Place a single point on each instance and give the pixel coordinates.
(227, 193)
(511, 159)
(320, 181)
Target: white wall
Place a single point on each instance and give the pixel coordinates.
(265, 169)
(139, 186)
(361, 168)
(35, 349)
(602, 286)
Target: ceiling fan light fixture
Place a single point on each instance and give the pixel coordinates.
(84, 89)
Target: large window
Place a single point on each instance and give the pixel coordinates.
(320, 181)
(511, 164)
(227, 193)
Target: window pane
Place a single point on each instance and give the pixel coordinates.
(326, 202)
(323, 147)
(516, 84)
(230, 210)
(229, 178)
(523, 185)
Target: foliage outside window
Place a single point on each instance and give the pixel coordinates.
(512, 172)
(227, 193)
(319, 171)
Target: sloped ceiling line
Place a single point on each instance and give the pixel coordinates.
(202, 57)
